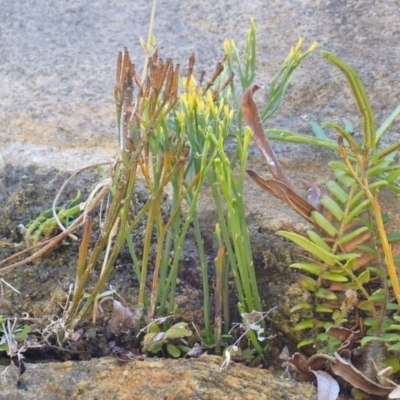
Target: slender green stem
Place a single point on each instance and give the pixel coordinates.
(149, 37)
(204, 273)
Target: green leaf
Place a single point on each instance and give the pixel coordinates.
(154, 328)
(348, 126)
(364, 277)
(386, 124)
(393, 237)
(325, 294)
(323, 309)
(348, 256)
(301, 307)
(346, 136)
(334, 277)
(332, 207)
(297, 138)
(377, 271)
(154, 347)
(388, 151)
(367, 249)
(376, 297)
(352, 235)
(184, 349)
(311, 268)
(311, 247)
(393, 362)
(392, 328)
(371, 322)
(339, 165)
(305, 342)
(308, 324)
(361, 194)
(379, 168)
(350, 264)
(394, 347)
(323, 223)
(318, 240)
(319, 132)
(173, 350)
(177, 333)
(392, 177)
(322, 336)
(344, 178)
(306, 282)
(360, 96)
(22, 332)
(357, 210)
(386, 337)
(4, 347)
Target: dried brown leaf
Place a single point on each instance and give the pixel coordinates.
(340, 332)
(361, 238)
(284, 193)
(300, 364)
(122, 319)
(284, 355)
(306, 368)
(317, 361)
(252, 118)
(347, 336)
(299, 361)
(356, 378)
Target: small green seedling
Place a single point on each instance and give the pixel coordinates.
(13, 334)
(45, 225)
(172, 340)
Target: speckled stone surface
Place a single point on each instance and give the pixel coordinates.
(182, 379)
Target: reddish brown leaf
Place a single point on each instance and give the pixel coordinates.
(340, 332)
(317, 361)
(337, 287)
(364, 260)
(306, 367)
(299, 361)
(284, 193)
(252, 118)
(362, 238)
